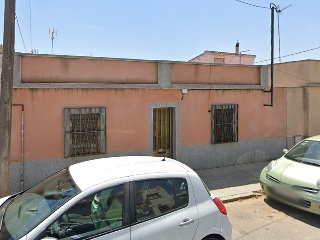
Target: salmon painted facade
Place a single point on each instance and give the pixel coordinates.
(80, 108)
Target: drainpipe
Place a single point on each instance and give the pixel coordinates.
(22, 147)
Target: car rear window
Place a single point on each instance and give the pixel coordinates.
(156, 197)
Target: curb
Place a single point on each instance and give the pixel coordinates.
(240, 197)
(233, 194)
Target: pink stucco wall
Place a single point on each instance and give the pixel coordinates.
(214, 74)
(255, 120)
(50, 69)
(127, 109)
(55, 69)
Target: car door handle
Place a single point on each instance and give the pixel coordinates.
(186, 222)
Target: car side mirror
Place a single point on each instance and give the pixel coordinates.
(285, 151)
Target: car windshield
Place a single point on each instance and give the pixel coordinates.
(306, 152)
(34, 205)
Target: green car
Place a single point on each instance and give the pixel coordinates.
(294, 179)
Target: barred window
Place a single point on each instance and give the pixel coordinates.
(85, 131)
(224, 123)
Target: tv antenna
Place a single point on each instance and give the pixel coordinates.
(53, 35)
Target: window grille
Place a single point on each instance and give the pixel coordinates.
(224, 123)
(85, 131)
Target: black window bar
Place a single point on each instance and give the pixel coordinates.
(84, 131)
(224, 123)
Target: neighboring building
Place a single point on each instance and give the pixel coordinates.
(80, 108)
(225, 57)
(301, 79)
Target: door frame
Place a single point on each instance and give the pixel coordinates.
(168, 151)
(176, 128)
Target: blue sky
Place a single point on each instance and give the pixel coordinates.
(164, 29)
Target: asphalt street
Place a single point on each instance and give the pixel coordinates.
(265, 219)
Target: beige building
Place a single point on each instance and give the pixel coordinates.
(225, 57)
(302, 82)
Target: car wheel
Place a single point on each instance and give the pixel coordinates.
(211, 238)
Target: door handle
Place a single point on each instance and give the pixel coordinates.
(186, 222)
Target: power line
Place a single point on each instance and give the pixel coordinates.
(292, 75)
(21, 33)
(292, 54)
(281, 10)
(278, 10)
(253, 5)
(279, 38)
(30, 24)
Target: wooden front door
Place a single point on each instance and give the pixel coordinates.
(162, 132)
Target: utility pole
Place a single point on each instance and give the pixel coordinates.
(272, 7)
(6, 94)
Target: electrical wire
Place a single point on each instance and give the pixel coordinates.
(278, 13)
(30, 25)
(250, 4)
(292, 75)
(24, 45)
(232, 58)
(278, 10)
(291, 54)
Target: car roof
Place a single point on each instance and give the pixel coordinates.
(314, 138)
(93, 172)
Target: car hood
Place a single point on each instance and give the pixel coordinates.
(295, 173)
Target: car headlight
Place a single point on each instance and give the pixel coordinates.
(318, 183)
(271, 165)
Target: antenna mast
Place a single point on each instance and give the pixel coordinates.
(53, 35)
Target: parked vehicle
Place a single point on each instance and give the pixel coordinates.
(294, 178)
(117, 198)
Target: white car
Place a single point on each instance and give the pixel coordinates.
(117, 198)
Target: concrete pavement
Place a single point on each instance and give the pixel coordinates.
(264, 219)
(234, 182)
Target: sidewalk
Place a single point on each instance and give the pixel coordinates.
(234, 182)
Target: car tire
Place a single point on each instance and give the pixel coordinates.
(211, 238)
